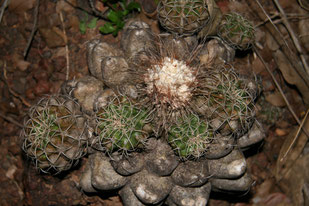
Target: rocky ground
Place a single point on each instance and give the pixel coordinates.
(58, 53)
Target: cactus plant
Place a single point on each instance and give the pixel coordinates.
(236, 31)
(202, 109)
(230, 101)
(121, 125)
(55, 134)
(183, 17)
(190, 137)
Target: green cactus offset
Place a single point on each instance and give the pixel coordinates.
(55, 134)
(121, 126)
(230, 101)
(190, 137)
(183, 17)
(236, 31)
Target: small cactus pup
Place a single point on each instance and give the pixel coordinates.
(183, 17)
(228, 101)
(190, 137)
(55, 134)
(236, 31)
(121, 126)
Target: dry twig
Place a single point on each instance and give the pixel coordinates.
(66, 47)
(9, 119)
(24, 101)
(34, 28)
(4, 5)
(296, 136)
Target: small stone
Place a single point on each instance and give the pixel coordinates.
(220, 147)
(231, 166)
(255, 135)
(103, 98)
(85, 90)
(150, 188)
(103, 176)
(128, 197)
(115, 72)
(136, 38)
(191, 173)
(162, 160)
(85, 180)
(96, 52)
(241, 184)
(281, 132)
(184, 196)
(128, 165)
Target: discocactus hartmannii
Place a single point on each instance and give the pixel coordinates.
(199, 113)
(236, 31)
(55, 134)
(183, 17)
(169, 124)
(121, 126)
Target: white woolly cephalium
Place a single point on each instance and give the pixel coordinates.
(172, 80)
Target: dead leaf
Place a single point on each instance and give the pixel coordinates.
(52, 36)
(281, 132)
(303, 26)
(290, 75)
(21, 6)
(10, 172)
(296, 181)
(63, 6)
(257, 66)
(275, 99)
(271, 42)
(19, 62)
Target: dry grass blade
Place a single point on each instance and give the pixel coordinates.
(296, 136)
(24, 101)
(34, 28)
(11, 120)
(4, 5)
(293, 36)
(66, 47)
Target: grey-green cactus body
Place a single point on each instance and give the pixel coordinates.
(184, 17)
(229, 101)
(55, 134)
(190, 137)
(236, 31)
(121, 125)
